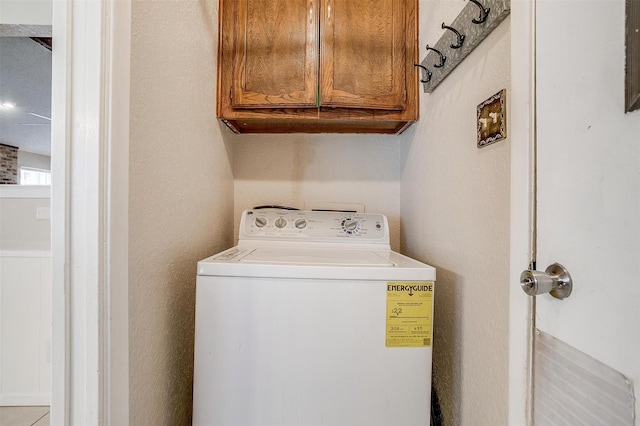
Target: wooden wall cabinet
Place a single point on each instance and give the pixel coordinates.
(316, 66)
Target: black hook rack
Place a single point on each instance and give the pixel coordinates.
(459, 37)
(468, 35)
(484, 12)
(429, 74)
(443, 58)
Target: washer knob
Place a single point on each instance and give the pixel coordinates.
(301, 223)
(280, 222)
(351, 226)
(261, 222)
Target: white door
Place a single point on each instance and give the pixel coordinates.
(588, 217)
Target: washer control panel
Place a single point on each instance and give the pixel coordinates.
(313, 225)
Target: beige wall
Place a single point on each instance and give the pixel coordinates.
(455, 216)
(180, 201)
(304, 170)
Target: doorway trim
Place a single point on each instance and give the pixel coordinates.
(521, 219)
(90, 134)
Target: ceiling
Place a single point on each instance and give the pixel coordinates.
(25, 80)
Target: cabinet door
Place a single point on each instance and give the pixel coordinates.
(363, 54)
(276, 54)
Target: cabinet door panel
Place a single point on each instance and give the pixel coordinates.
(276, 54)
(363, 55)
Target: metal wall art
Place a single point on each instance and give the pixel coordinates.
(475, 22)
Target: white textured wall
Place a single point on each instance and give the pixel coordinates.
(181, 198)
(455, 216)
(299, 170)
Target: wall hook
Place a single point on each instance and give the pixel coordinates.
(459, 37)
(426, 70)
(484, 12)
(442, 57)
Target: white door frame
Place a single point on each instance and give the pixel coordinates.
(522, 136)
(90, 134)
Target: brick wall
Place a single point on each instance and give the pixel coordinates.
(8, 164)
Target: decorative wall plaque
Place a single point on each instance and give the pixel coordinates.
(492, 120)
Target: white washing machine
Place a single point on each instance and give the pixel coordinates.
(312, 319)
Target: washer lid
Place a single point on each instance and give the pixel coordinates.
(315, 263)
(302, 256)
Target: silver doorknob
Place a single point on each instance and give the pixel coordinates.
(555, 280)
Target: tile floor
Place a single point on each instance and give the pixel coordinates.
(24, 416)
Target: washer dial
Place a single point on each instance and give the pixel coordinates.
(351, 226)
(300, 223)
(280, 222)
(261, 222)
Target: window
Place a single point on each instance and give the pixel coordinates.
(29, 176)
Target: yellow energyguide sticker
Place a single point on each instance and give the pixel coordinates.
(409, 313)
